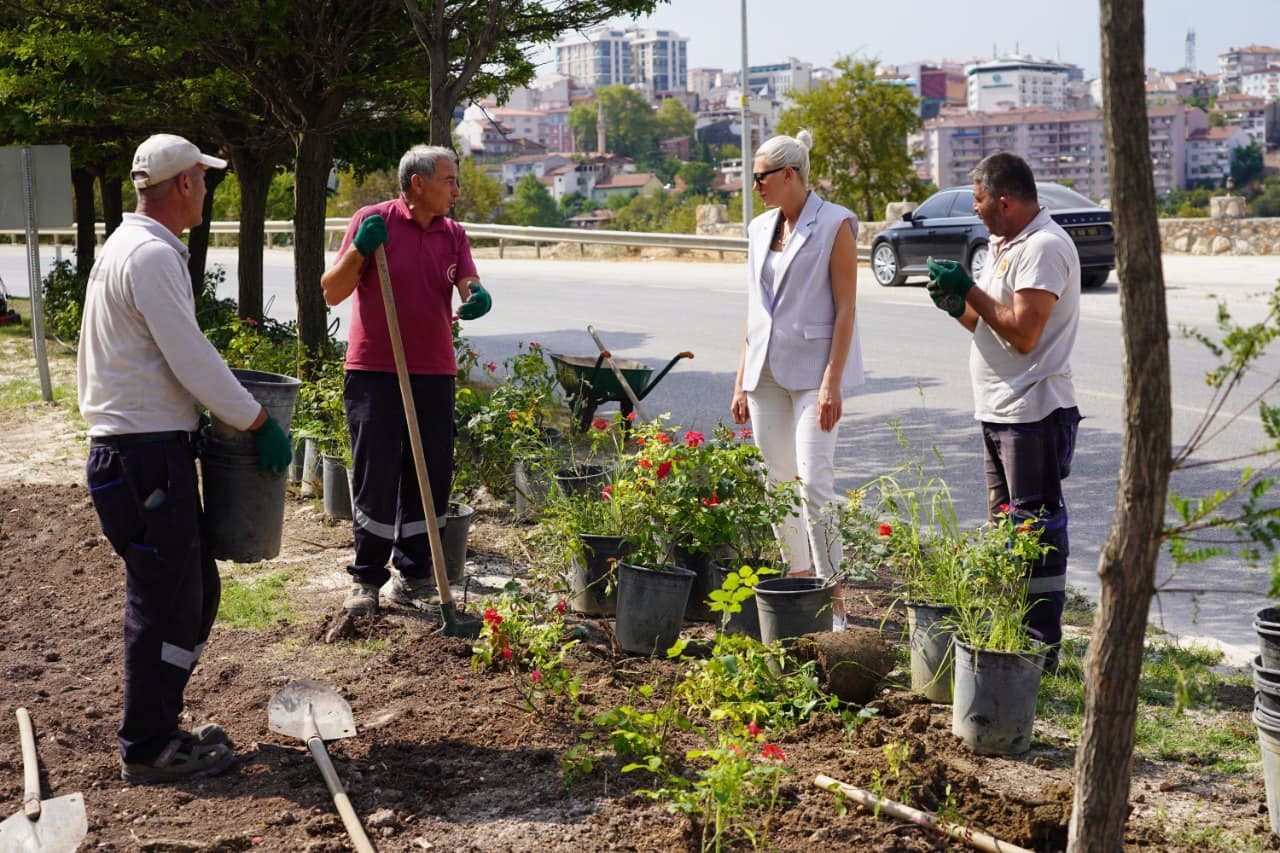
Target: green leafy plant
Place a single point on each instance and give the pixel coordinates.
(530, 641)
(995, 560)
(738, 587)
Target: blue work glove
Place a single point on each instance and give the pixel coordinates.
(949, 302)
(274, 452)
(478, 305)
(371, 234)
(950, 276)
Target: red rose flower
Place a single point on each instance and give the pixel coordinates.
(885, 529)
(600, 424)
(753, 728)
(507, 654)
(711, 501)
(631, 416)
(492, 618)
(490, 366)
(693, 438)
(771, 751)
(561, 605)
(745, 432)
(535, 676)
(663, 438)
(535, 346)
(607, 493)
(664, 469)
(640, 441)
(513, 416)
(645, 464)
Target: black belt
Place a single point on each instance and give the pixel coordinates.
(133, 439)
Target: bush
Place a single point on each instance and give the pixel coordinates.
(64, 301)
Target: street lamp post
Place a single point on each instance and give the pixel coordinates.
(746, 128)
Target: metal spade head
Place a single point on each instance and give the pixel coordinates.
(62, 825)
(287, 712)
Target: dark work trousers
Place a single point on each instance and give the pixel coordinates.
(149, 505)
(388, 517)
(1025, 466)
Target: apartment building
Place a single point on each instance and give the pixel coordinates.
(1257, 117)
(1016, 82)
(1060, 145)
(1239, 61)
(492, 130)
(1263, 83)
(780, 78)
(1209, 153)
(597, 57)
(655, 60)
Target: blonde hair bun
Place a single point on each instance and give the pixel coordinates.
(805, 138)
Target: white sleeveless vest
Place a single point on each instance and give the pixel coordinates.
(793, 330)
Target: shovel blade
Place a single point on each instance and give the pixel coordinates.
(287, 712)
(61, 827)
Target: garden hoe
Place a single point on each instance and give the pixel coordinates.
(58, 825)
(453, 625)
(313, 713)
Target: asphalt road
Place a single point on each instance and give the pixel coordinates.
(917, 385)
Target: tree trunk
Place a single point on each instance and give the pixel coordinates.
(111, 186)
(313, 155)
(254, 170)
(82, 186)
(198, 240)
(1128, 560)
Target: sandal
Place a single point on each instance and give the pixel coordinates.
(182, 758)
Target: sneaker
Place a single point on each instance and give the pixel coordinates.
(362, 600)
(207, 735)
(414, 592)
(181, 759)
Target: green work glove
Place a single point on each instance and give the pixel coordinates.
(949, 302)
(371, 234)
(950, 276)
(274, 452)
(478, 305)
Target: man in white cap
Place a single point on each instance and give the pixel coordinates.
(144, 370)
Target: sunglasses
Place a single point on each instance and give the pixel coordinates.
(758, 177)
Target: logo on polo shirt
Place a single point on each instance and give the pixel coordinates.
(1003, 267)
(452, 273)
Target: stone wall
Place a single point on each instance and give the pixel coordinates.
(1220, 236)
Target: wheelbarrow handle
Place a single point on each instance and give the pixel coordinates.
(655, 380)
(30, 766)
(350, 819)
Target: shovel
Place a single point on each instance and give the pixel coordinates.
(313, 713)
(453, 625)
(59, 824)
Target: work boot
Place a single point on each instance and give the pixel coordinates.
(414, 592)
(180, 759)
(208, 734)
(362, 600)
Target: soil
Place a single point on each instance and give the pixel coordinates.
(445, 756)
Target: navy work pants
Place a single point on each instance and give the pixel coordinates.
(1025, 467)
(149, 506)
(388, 517)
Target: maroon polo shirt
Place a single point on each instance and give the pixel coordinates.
(425, 264)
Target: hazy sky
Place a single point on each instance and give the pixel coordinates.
(900, 31)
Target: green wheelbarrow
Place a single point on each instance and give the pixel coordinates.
(589, 381)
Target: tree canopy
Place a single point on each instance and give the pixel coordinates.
(860, 126)
(631, 127)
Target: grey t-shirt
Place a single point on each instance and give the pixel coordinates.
(1009, 387)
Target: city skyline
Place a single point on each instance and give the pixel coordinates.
(824, 30)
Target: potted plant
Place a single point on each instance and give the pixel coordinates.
(998, 666)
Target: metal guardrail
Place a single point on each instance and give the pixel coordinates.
(503, 234)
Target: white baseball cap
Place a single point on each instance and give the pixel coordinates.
(164, 155)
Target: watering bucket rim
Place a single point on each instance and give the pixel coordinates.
(265, 377)
(809, 585)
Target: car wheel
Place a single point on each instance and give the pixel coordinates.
(1094, 278)
(884, 265)
(978, 261)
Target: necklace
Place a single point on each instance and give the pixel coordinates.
(781, 233)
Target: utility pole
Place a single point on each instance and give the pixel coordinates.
(747, 186)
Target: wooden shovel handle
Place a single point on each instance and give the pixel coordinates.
(415, 436)
(341, 801)
(617, 372)
(30, 766)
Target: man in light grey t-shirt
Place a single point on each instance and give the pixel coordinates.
(1023, 315)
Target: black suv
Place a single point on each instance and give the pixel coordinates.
(945, 226)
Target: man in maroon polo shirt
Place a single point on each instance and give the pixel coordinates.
(428, 256)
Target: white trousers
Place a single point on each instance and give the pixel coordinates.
(785, 426)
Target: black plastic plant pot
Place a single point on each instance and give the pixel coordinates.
(651, 605)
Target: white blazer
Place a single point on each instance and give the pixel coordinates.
(793, 329)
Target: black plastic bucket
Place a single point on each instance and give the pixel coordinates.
(651, 607)
(457, 528)
(594, 573)
(1267, 624)
(793, 607)
(243, 505)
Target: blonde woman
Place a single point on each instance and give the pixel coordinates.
(800, 348)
